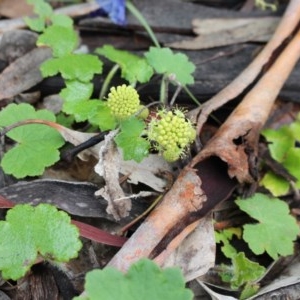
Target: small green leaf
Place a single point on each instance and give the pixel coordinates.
(130, 141)
(62, 20)
(292, 163)
(101, 115)
(244, 270)
(31, 231)
(37, 145)
(164, 61)
(277, 185)
(276, 229)
(62, 40)
(134, 68)
(224, 237)
(249, 290)
(81, 67)
(281, 140)
(35, 24)
(41, 8)
(144, 280)
(74, 95)
(65, 120)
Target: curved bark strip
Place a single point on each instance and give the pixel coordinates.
(183, 198)
(236, 140)
(288, 24)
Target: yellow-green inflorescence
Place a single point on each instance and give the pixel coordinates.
(124, 101)
(171, 133)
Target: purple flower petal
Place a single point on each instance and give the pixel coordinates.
(115, 10)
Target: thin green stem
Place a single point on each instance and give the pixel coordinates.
(164, 87)
(107, 80)
(143, 21)
(191, 95)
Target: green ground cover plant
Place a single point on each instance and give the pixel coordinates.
(169, 132)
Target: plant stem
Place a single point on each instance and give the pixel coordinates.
(143, 21)
(107, 80)
(186, 89)
(164, 86)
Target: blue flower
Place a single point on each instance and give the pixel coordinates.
(115, 10)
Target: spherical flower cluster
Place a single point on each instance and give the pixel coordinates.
(172, 133)
(123, 101)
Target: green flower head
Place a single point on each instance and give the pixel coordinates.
(171, 133)
(123, 101)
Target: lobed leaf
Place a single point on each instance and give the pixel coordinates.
(276, 229)
(80, 67)
(31, 231)
(277, 185)
(35, 24)
(36, 145)
(164, 61)
(281, 140)
(144, 280)
(133, 67)
(130, 141)
(244, 271)
(62, 40)
(41, 8)
(62, 20)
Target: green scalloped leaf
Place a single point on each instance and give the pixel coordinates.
(31, 231)
(130, 141)
(292, 163)
(133, 67)
(36, 145)
(62, 20)
(144, 280)
(277, 185)
(81, 67)
(35, 24)
(224, 237)
(74, 95)
(99, 115)
(62, 40)
(76, 91)
(164, 61)
(276, 229)
(41, 8)
(244, 271)
(281, 140)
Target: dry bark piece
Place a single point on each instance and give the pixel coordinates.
(71, 10)
(236, 140)
(221, 32)
(23, 73)
(109, 168)
(16, 43)
(15, 8)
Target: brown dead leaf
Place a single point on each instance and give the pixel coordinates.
(23, 73)
(196, 254)
(109, 168)
(222, 32)
(16, 43)
(15, 8)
